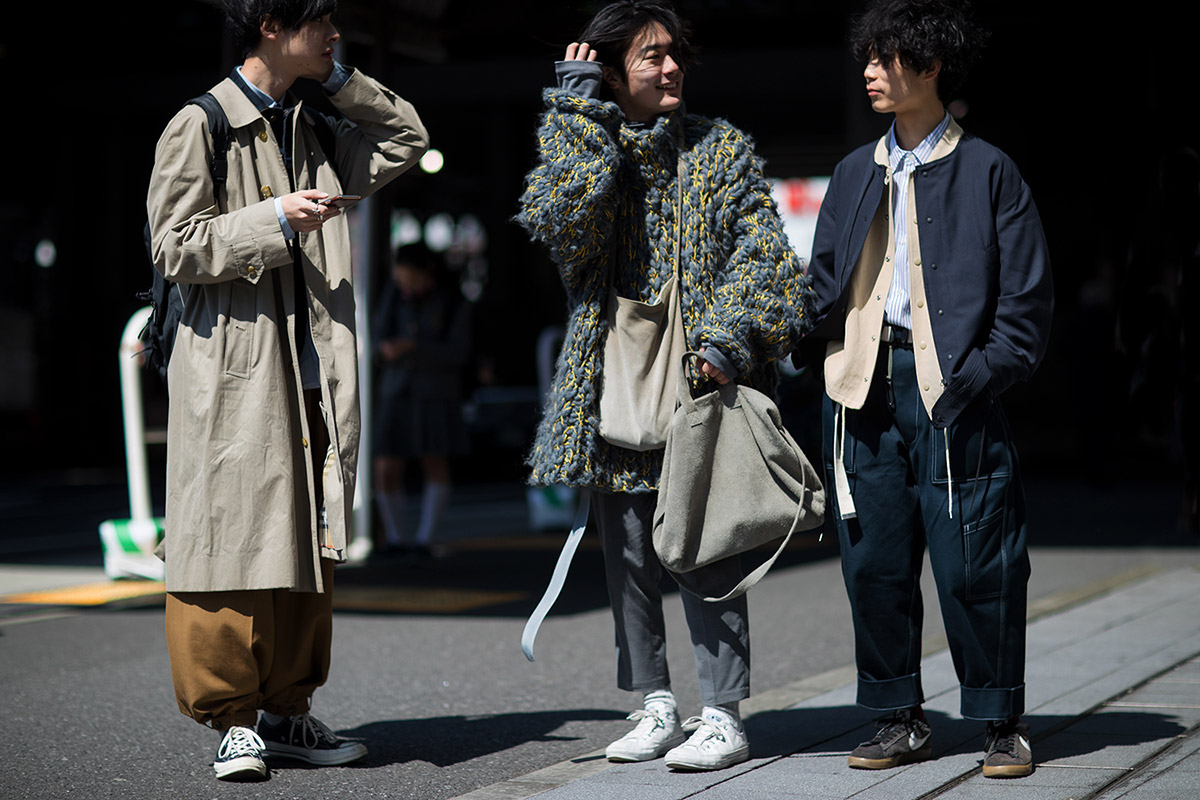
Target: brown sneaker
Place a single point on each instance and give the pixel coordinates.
(902, 738)
(1007, 754)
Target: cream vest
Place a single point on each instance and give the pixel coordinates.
(850, 363)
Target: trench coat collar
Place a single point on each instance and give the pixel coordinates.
(239, 107)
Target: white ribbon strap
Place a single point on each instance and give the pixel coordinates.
(559, 577)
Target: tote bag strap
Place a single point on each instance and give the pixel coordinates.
(559, 577)
(748, 581)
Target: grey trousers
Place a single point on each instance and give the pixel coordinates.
(720, 631)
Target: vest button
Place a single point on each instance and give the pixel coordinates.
(262, 135)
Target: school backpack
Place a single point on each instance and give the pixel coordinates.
(165, 296)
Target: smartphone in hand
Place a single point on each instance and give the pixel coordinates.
(339, 200)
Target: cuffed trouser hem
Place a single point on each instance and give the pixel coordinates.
(246, 719)
(727, 697)
(893, 694)
(993, 705)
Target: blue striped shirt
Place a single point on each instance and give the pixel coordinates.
(902, 162)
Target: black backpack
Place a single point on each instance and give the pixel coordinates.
(165, 296)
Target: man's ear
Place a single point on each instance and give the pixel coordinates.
(268, 27)
(611, 77)
(934, 70)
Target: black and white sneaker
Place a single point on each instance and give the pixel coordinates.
(240, 756)
(306, 738)
(902, 738)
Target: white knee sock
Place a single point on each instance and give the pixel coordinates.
(432, 503)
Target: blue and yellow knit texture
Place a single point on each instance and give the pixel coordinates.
(603, 190)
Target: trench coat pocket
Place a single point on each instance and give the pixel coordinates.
(239, 329)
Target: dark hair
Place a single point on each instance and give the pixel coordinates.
(921, 33)
(418, 255)
(615, 27)
(244, 17)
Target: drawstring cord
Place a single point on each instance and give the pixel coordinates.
(949, 477)
(841, 482)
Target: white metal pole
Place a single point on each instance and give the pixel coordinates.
(135, 426)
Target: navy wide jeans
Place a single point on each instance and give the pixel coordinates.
(968, 510)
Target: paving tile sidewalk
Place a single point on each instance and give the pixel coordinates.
(1113, 703)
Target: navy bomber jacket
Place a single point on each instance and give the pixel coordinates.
(986, 274)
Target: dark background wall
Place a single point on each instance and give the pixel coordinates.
(1086, 103)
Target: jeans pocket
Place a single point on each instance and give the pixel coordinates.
(983, 556)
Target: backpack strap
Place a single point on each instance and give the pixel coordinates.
(222, 135)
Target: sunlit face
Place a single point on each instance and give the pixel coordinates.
(894, 88)
(653, 82)
(308, 50)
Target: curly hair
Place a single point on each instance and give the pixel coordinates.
(921, 33)
(616, 26)
(244, 17)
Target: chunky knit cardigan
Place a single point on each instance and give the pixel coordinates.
(602, 190)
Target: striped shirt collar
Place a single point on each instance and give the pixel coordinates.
(922, 151)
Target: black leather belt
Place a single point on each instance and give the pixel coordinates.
(897, 337)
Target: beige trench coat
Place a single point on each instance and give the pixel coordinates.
(240, 512)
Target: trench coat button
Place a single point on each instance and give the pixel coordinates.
(262, 135)
(250, 270)
(917, 262)
(266, 192)
(303, 442)
(923, 345)
(887, 259)
(920, 304)
(926, 387)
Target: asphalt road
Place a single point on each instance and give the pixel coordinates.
(428, 670)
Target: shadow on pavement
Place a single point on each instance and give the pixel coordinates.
(826, 730)
(446, 741)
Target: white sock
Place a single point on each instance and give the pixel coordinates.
(660, 696)
(727, 713)
(432, 503)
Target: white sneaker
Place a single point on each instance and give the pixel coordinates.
(657, 732)
(716, 743)
(240, 757)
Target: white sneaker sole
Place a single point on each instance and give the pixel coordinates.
(243, 768)
(700, 762)
(622, 754)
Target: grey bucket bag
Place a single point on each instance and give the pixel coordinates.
(733, 478)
